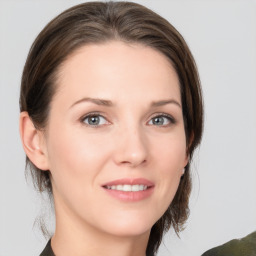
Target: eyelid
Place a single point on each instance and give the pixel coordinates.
(95, 113)
(168, 116)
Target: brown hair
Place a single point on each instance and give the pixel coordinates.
(99, 22)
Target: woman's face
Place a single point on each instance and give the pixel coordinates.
(115, 142)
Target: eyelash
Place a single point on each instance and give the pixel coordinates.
(169, 117)
(171, 120)
(93, 114)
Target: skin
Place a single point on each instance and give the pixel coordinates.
(128, 142)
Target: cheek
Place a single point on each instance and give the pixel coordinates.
(75, 158)
(75, 163)
(74, 148)
(170, 153)
(170, 160)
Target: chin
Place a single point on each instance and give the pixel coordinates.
(128, 232)
(130, 227)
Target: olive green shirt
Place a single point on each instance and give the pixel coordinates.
(236, 247)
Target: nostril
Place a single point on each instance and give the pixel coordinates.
(131, 151)
(134, 162)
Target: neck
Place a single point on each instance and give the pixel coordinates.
(74, 237)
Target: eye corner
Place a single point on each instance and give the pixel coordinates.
(98, 120)
(162, 122)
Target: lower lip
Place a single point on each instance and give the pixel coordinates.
(130, 196)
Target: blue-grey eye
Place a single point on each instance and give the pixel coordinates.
(161, 120)
(95, 120)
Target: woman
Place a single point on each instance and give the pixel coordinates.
(111, 112)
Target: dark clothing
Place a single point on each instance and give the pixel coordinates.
(237, 247)
(47, 250)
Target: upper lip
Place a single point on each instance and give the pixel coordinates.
(130, 181)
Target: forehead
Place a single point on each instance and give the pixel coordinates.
(117, 69)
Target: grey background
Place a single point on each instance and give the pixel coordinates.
(222, 37)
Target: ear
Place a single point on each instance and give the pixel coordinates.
(186, 160)
(187, 157)
(191, 140)
(33, 142)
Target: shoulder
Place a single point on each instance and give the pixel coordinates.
(237, 247)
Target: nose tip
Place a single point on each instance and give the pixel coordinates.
(133, 160)
(131, 150)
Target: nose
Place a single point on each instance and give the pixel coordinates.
(131, 148)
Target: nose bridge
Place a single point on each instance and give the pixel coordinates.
(131, 145)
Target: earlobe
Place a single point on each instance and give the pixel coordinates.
(33, 142)
(186, 160)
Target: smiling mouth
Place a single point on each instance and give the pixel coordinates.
(128, 188)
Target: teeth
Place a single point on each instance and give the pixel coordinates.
(128, 188)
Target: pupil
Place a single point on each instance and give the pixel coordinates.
(93, 120)
(158, 120)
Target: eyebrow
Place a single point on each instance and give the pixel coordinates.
(165, 102)
(108, 103)
(100, 102)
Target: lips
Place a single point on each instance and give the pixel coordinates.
(129, 189)
(138, 181)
